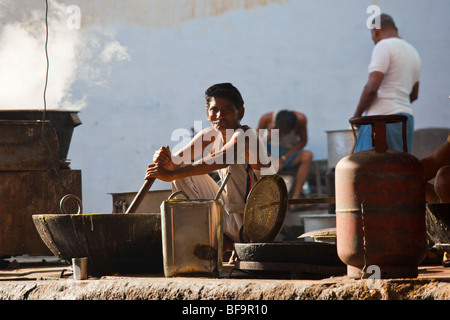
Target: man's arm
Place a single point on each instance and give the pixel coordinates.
(265, 121)
(302, 132)
(369, 92)
(414, 92)
(242, 146)
(196, 147)
(168, 167)
(205, 165)
(433, 162)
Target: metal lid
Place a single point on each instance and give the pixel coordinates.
(265, 210)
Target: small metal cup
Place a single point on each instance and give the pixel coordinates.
(79, 266)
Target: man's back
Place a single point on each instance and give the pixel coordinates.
(400, 63)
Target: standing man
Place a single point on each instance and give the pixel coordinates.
(393, 85)
(293, 136)
(226, 146)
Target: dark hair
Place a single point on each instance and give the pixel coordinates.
(224, 90)
(386, 22)
(285, 121)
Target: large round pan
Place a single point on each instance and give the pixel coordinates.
(266, 207)
(112, 242)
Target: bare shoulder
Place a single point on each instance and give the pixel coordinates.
(245, 130)
(301, 117)
(208, 131)
(265, 120)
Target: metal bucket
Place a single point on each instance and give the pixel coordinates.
(191, 236)
(319, 221)
(340, 143)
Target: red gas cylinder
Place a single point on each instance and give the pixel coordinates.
(380, 207)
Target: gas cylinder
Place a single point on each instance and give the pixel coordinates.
(380, 207)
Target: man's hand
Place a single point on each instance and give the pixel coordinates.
(369, 93)
(162, 167)
(163, 157)
(156, 170)
(281, 162)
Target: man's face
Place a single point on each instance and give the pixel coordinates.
(376, 35)
(223, 114)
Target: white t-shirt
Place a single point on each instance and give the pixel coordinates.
(400, 63)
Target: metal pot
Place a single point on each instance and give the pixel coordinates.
(319, 221)
(340, 143)
(113, 243)
(63, 121)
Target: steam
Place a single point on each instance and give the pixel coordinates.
(74, 54)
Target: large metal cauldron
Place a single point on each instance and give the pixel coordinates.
(63, 122)
(380, 207)
(112, 242)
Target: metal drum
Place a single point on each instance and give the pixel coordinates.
(380, 207)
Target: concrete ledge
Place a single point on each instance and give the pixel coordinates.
(160, 288)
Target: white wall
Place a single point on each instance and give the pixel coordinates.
(138, 70)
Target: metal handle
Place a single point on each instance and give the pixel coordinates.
(140, 196)
(173, 195)
(219, 192)
(67, 197)
(312, 200)
(378, 124)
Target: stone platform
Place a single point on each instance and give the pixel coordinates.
(53, 282)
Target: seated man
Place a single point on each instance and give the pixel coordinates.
(437, 166)
(226, 146)
(293, 137)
